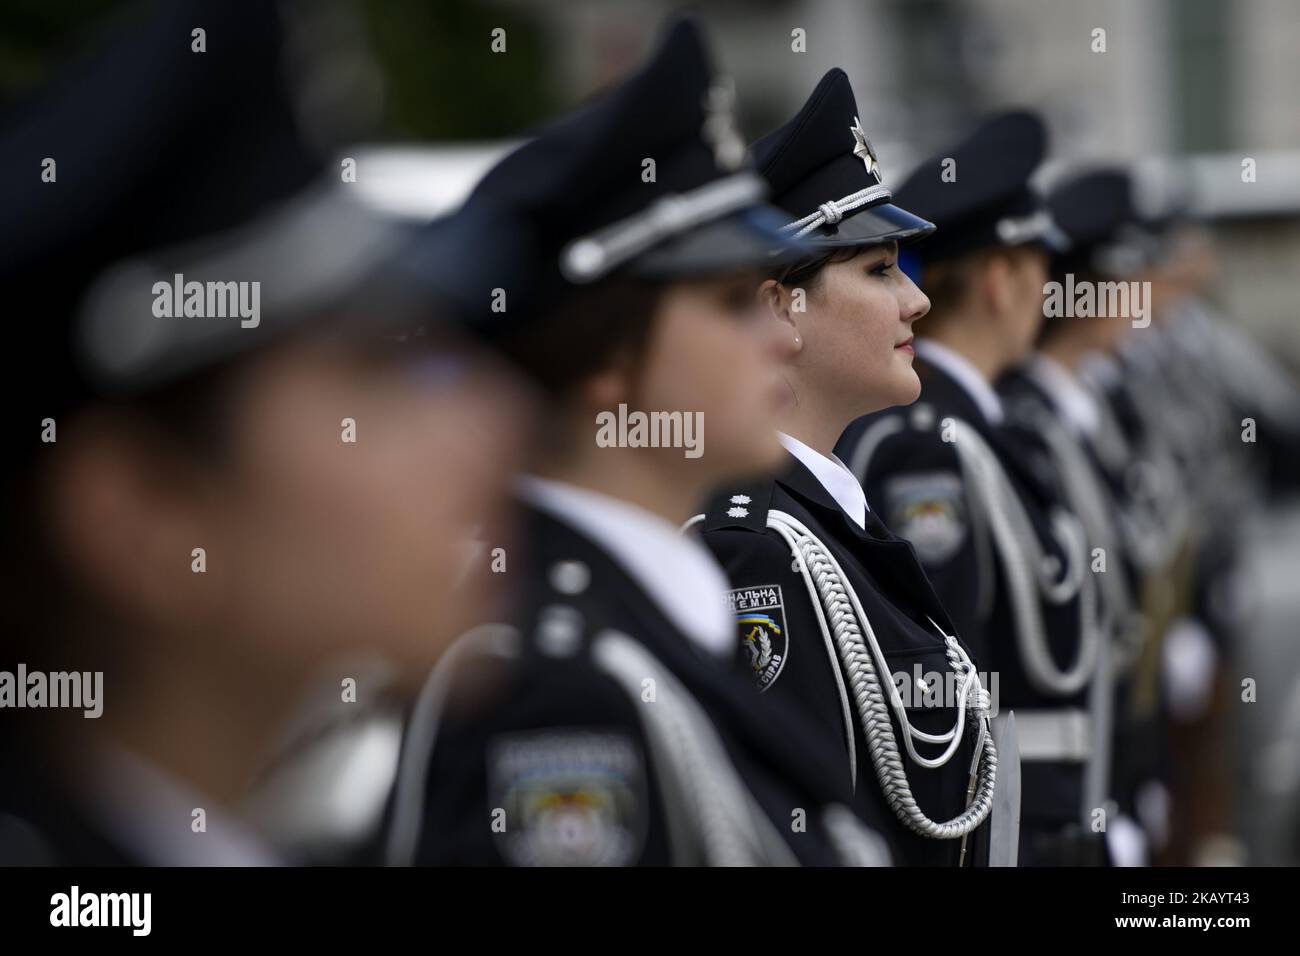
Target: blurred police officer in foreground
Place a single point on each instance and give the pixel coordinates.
(833, 613)
(621, 244)
(200, 325)
(973, 493)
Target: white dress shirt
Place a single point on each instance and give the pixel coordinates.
(965, 374)
(678, 573)
(834, 476)
(1073, 401)
(149, 813)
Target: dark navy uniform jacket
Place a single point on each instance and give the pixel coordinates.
(1108, 459)
(1137, 744)
(898, 602)
(555, 729)
(1141, 731)
(41, 822)
(1108, 464)
(914, 479)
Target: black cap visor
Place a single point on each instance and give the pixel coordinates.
(871, 226)
(749, 238)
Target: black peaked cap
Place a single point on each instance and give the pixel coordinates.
(978, 193)
(821, 156)
(577, 204)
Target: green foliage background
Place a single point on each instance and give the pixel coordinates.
(441, 79)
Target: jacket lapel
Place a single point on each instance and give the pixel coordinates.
(888, 560)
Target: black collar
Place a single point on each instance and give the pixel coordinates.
(797, 479)
(947, 395)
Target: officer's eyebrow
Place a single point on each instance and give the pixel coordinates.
(885, 250)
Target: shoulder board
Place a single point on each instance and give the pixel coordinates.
(562, 611)
(740, 506)
(859, 444)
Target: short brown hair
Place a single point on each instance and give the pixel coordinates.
(807, 272)
(574, 341)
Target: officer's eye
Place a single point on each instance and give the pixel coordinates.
(882, 269)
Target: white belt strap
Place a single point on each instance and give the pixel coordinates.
(1053, 735)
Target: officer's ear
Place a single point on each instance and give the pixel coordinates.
(999, 283)
(609, 386)
(778, 302)
(126, 511)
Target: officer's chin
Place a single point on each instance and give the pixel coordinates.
(908, 389)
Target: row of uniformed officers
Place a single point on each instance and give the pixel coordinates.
(950, 559)
(917, 600)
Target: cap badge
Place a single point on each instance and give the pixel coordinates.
(720, 125)
(862, 148)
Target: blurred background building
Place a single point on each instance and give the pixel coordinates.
(1193, 85)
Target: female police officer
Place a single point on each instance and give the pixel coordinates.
(977, 495)
(185, 518)
(619, 247)
(830, 605)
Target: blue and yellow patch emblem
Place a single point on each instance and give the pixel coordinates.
(764, 644)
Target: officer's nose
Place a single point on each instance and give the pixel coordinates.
(913, 303)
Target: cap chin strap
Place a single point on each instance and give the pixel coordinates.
(831, 213)
(1039, 225)
(590, 257)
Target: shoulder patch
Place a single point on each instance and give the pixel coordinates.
(568, 798)
(760, 617)
(928, 510)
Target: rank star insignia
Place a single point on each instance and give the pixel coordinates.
(737, 512)
(862, 148)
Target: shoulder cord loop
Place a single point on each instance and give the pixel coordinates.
(864, 662)
(500, 640)
(1024, 564)
(1154, 517)
(1091, 503)
(728, 824)
(1168, 493)
(1120, 628)
(729, 828)
(846, 709)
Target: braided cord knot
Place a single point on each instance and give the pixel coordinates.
(870, 699)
